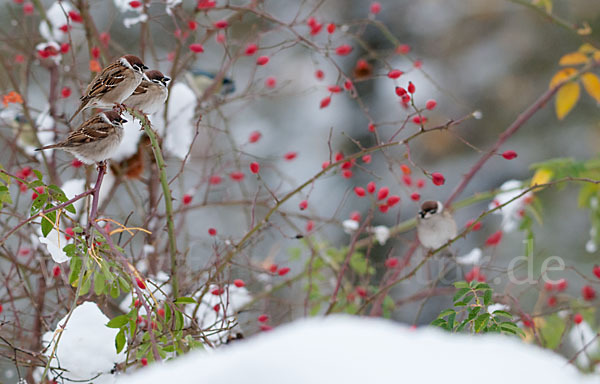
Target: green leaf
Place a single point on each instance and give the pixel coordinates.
(75, 266)
(38, 174)
(4, 195)
(461, 284)
(86, 284)
(99, 283)
(481, 322)
(451, 319)
(358, 263)
(114, 290)
(473, 313)
(48, 223)
(510, 327)
(120, 340)
(439, 323)
(38, 203)
(460, 293)
(185, 300)
(118, 322)
(295, 253)
(446, 312)
(178, 320)
(502, 313)
(123, 284)
(487, 297)
(482, 286)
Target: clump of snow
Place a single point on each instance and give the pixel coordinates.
(350, 226)
(471, 258)
(343, 349)
(584, 341)
(132, 131)
(511, 213)
(86, 349)
(382, 234)
(57, 16)
(55, 242)
(180, 115)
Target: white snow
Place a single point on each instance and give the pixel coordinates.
(350, 226)
(471, 258)
(180, 115)
(511, 212)
(86, 347)
(57, 17)
(131, 137)
(55, 243)
(583, 338)
(344, 349)
(382, 234)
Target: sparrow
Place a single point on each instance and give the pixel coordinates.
(151, 94)
(114, 84)
(435, 226)
(95, 140)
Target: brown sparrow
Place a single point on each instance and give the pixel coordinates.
(95, 140)
(435, 226)
(151, 94)
(114, 84)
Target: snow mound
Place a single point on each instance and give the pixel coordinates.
(343, 349)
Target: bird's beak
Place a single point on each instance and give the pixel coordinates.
(166, 79)
(123, 121)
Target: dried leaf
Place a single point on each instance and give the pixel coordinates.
(561, 75)
(585, 29)
(591, 83)
(587, 48)
(566, 98)
(541, 176)
(574, 58)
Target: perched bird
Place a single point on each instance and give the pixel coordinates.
(151, 94)
(201, 80)
(95, 140)
(114, 84)
(435, 226)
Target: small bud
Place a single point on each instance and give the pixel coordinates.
(262, 60)
(411, 87)
(371, 187)
(403, 49)
(343, 50)
(187, 199)
(330, 28)
(494, 239)
(375, 8)
(430, 104)
(283, 271)
(383, 192)
(251, 49)
(254, 167)
(221, 24)
(303, 205)
(239, 283)
(395, 73)
(393, 200)
(438, 178)
(254, 137)
(415, 196)
(360, 191)
(212, 232)
(366, 159)
(325, 102)
(392, 262)
(196, 48)
(509, 155)
(263, 318)
(578, 318)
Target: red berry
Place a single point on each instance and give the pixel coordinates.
(343, 50)
(325, 164)
(375, 8)
(403, 49)
(596, 271)
(75, 16)
(135, 4)
(400, 91)
(371, 127)
(212, 232)
(270, 82)
(303, 205)
(265, 327)
(438, 178)
(588, 293)
(28, 9)
(262, 60)
(290, 156)
(419, 120)
(348, 85)
(415, 196)
(309, 225)
(263, 318)
(144, 361)
(105, 38)
(192, 25)
(69, 233)
(56, 271)
(420, 183)
(206, 4)
(254, 167)
(418, 64)
(339, 157)
(65, 92)
(325, 102)
(216, 307)
(366, 159)
(64, 48)
(19, 58)
(405, 169)
(330, 28)
(360, 191)
(407, 180)
(196, 48)
(273, 268)
(395, 73)
(221, 24)
(137, 303)
(140, 283)
(334, 89)
(346, 174)
(361, 291)
(383, 192)
(187, 199)
(475, 227)
(319, 74)
(160, 312)
(577, 319)
(215, 180)
(371, 187)
(552, 300)
(384, 208)
(393, 200)
(494, 239)
(411, 87)
(283, 271)
(236, 176)
(430, 104)
(509, 155)
(254, 137)
(239, 283)
(251, 49)
(561, 285)
(355, 216)
(392, 262)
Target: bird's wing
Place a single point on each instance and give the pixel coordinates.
(92, 130)
(106, 80)
(142, 88)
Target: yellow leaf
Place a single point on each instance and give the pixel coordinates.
(541, 176)
(596, 56)
(591, 83)
(574, 58)
(566, 98)
(561, 75)
(585, 29)
(587, 48)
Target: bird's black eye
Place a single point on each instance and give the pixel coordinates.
(122, 121)
(144, 67)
